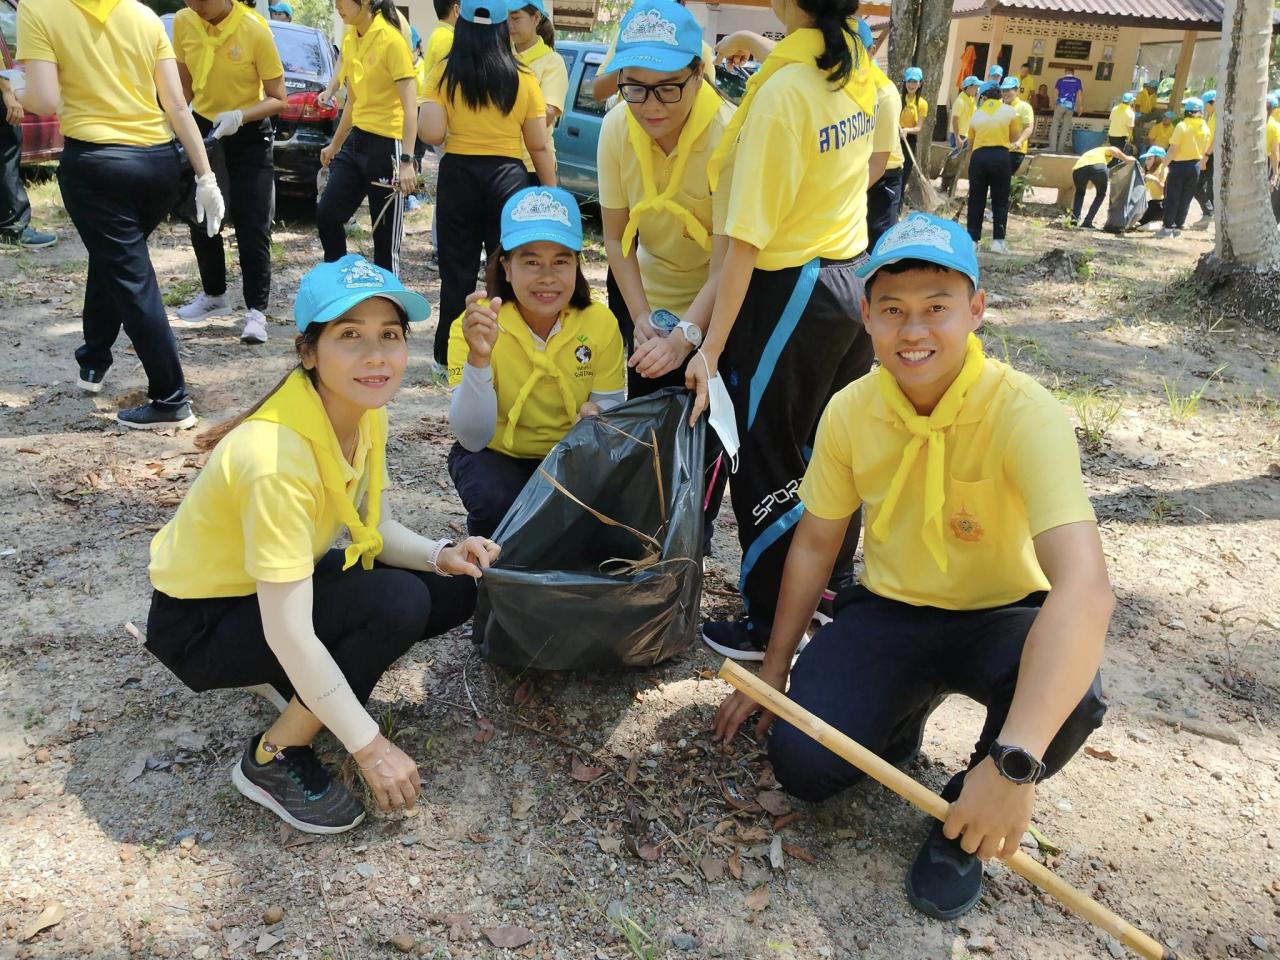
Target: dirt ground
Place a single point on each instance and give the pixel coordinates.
(116, 803)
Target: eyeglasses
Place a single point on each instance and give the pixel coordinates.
(665, 92)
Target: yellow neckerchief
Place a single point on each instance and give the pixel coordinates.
(706, 105)
(296, 405)
(914, 104)
(803, 46)
(359, 45)
(930, 430)
(98, 9)
(543, 366)
(535, 52)
(212, 36)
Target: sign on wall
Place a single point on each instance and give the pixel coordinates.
(1072, 49)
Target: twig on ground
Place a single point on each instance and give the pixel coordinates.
(333, 926)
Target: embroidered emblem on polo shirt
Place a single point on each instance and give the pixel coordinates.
(966, 527)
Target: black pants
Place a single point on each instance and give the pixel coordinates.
(15, 208)
(1082, 177)
(989, 171)
(907, 165)
(250, 207)
(1204, 189)
(1015, 162)
(470, 193)
(1155, 211)
(488, 482)
(1118, 142)
(798, 339)
(116, 195)
(884, 204)
(363, 170)
(882, 667)
(367, 620)
(1179, 190)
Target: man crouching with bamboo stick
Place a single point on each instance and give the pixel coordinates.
(984, 573)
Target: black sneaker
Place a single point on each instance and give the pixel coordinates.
(297, 788)
(944, 882)
(91, 380)
(733, 639)
(149, 416)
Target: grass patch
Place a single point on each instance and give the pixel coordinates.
(641, 942)
(180, 291)
(1096, 412)
(1184, 406)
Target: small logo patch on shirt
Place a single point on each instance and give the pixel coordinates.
(966, 527)
(583, 354)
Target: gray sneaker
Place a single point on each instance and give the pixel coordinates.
(255, 327)
(199, 311)
(297, 788)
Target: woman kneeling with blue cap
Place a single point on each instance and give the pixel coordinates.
(528, 359)
(248, 588)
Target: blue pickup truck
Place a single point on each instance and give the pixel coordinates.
(578, 132)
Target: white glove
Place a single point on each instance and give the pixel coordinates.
(227, 124)
(209, 204)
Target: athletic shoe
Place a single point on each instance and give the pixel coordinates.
(433, 264)
(1177, 232)
(296, 787)
(255, 327)
(998, 246)
(91, 380)
(1203, 223)
(1165, 232)
(151, 417)
(28, 239)
(198, 312)
(943, 882)
(732, 639)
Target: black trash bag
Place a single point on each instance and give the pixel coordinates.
(1127, 192)
(574, 592)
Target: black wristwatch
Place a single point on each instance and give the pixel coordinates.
(406, 158)
(1015, 764)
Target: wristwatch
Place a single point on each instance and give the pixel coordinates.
(406, 158)
(1015, 764)
(692, 332)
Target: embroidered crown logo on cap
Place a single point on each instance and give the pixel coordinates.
(657, 35)
(923, 236)
(649, 27)
(540, 205)
(362, 275)
(916, 231)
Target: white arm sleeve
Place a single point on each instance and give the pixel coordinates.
(403, 548)
(287, 623)
(473, 408)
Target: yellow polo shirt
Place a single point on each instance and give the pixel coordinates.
(1026, 88)
(1273, 135)
(1098, 155)
(887, 136)
(1190, 140)
(1122, 120)
(586, 353)
(914, 111)
(994, 124)
(1160, 134)
(961, 110)
(1155, 182)
(438, 45)
(799, 187)
(1212, 121)
(241, 63)
(1012, 472)
(553, 80)
(344, 74)
(257, 511)
(1026, 118)
(487, 132)
(1145, 101)
(672, 266)
(374, 64)
(106, 69)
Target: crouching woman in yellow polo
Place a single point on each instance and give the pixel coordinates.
(530, 360)
(248, 587)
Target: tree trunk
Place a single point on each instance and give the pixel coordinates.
(1246, 230)
(919, 31)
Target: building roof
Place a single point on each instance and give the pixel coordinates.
(1200, 15)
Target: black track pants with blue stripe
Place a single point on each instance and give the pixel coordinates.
(797, 340)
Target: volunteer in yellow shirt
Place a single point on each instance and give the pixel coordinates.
(1144, 104)
(1204, 186)
(488, 104)
(534, 37)
(233, 78)
(249, 589)
(886, 183)
(911, 121)
(1009, 93)
(1187, 147)
(1273, 150)
(1026, 83)
(1153, 175)
(340, 77)
(529, 358)
(1161, 132)
(106, 68)
(962, 108)
(993, 128)
(441, 40)
(1120, 128)
(605, 84)
(1091, 170)
(371, 154)
(983, 572)
(783, 338)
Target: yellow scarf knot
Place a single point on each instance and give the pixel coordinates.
(98, 9)
(930, 430)
(535, 52)
(296, 405)
(211, 37)
(543, 368)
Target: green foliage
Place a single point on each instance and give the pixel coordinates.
(314, 13)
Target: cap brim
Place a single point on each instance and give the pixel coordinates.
(661, 60)
(521, 236)
(415, 305)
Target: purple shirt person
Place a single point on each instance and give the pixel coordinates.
(1068, 89)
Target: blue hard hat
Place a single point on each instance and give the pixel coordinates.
(913, 73)
(658, 35)
(541, 213)
(484, 12)
(328, 290)
(1157, 152)
(922, 236)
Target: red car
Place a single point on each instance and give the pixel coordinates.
(41, 136)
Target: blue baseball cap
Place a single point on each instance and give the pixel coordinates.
(541, 213)
(1157, 152)
(415, 38)
(1273, 101)
(1010, 83)
(922, 236)
(997, 71)
(658, 35)
(913, 73)
(484, 12)
(1209, 96)
(865, 34)
(1193, 105)
(969, 81)
(1151, 82)
(1126, 97)
(281, 8)
(328, 290)
(1168, 114)
(987, 88)
(536, 4)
